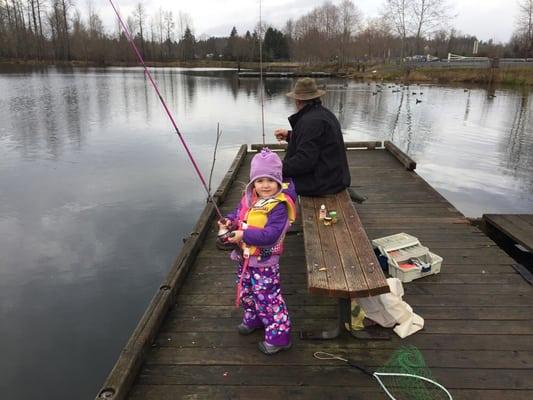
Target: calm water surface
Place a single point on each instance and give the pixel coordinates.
(96, 192)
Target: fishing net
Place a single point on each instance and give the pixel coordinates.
(396, 377)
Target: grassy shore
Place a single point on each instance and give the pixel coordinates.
(506, 76)
(512, 76)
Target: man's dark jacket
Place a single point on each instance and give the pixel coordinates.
(316, 156)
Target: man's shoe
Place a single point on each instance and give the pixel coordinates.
(245, 330)
(270, 349)
(356, 197)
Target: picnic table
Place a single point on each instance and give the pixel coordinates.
(340, 259)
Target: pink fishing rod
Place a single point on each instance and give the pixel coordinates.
(147, 72)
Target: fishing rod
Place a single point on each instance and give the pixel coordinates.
(261, 72)
(147, 72)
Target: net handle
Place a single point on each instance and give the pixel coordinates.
(378, 374)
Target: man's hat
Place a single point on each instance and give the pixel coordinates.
(305, 89)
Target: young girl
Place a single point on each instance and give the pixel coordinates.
(259, 223)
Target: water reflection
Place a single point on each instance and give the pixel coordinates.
(519, 146)
(96, 191)
(467, 107)
(60, 108)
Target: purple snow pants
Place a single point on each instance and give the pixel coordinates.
(263, 303)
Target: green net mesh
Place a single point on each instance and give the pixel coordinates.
(409, 360)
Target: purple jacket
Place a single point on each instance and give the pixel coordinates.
(266, 236)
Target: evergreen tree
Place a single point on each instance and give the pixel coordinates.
(231, 48)
(275, 45)
(188, 42)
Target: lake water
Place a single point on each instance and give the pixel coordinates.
(96, 192)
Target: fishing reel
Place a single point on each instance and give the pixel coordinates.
(225, 232)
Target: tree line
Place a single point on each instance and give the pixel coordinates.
(55, 30)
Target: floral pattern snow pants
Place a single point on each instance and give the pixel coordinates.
(263, 303)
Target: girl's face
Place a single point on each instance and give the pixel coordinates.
(265, 187)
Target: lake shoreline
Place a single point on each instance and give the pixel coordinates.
(515, 76)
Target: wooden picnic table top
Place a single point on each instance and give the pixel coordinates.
(477, 339)
(340, 258)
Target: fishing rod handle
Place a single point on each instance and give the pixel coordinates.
(359, 366)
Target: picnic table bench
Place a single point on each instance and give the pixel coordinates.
(340, 259)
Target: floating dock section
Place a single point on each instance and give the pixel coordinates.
(478, 334)
(282, 74)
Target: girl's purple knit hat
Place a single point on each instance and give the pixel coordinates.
(265, 164)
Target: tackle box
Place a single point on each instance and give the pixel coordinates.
(407, 258)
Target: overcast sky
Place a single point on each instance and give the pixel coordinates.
(487, 19)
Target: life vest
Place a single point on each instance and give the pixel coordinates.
(256, 216)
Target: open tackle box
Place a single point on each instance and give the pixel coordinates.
(406, 257)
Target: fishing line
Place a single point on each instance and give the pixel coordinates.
(164, 104)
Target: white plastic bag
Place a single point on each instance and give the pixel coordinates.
(389, 309)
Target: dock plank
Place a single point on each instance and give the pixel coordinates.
(518, 227)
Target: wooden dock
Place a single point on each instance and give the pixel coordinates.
(518, 227)
(514, 234)
(478, 334)
(283, 74)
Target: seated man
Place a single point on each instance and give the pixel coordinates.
(316, 156)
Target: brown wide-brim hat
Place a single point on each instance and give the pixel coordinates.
(305, 89)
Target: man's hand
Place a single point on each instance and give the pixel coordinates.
(281, 134)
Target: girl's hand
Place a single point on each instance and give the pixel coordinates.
(236, 236)
(224, 223)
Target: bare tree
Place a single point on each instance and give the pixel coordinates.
(376, 40)
(65, 5)
(329, 15)
(169, 31)
(94, 22)
(184, 22)
(428, 16)
(524, 27)
(350, 17)
(398, 13)
(139, 15)
(288, 30)
(59, 24)
(33, 7)
(79, 39)
(160, 27)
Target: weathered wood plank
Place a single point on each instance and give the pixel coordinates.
(346, 344)
(372, 272)
(400, 155)
(325, 375)
(227, 279)
(351, 264)
(374, 357)
(514, 299)
(367, 145)
(449, 327)
(317, 278)
(326, 311)
(297, 392)
(225, 392)
(337, 284)
(519, 227)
